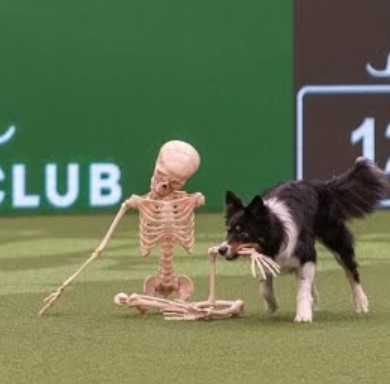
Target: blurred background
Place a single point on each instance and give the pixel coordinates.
(90, 90)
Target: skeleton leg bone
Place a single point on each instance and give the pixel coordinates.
(203, 310)
(182, 310)
(211, 309)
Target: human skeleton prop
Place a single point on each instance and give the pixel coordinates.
(166, 217)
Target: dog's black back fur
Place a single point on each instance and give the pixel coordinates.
(301, 211)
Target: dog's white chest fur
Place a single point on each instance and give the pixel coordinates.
(285, 257)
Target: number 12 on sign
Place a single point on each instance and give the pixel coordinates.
(365, 134)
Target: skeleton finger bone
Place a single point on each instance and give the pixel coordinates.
(265, 261)
(262, 262)
(259, 266)
(273, 267)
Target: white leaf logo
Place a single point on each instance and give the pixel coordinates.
(7, 135)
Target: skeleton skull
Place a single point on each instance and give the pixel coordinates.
(177, 161)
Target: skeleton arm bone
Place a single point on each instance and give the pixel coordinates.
(50, 300)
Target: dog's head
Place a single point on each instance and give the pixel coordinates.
(246, 226)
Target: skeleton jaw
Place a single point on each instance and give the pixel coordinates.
(163, 185)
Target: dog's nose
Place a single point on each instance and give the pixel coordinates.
(222, 250)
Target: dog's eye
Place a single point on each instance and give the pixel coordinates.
(245, 236)
(237, 228)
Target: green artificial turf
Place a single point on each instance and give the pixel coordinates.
(85, 338)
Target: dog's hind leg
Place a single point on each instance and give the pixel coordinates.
(339, 240)
(359, 297)
(267, 291)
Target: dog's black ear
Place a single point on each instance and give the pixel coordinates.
(256, 207)
(232, 203)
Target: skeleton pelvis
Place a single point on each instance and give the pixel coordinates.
(182, 286)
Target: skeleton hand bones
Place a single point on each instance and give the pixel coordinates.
(263, 263)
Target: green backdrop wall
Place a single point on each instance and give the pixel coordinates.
(89, 91)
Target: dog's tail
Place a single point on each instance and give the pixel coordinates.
(355, 193)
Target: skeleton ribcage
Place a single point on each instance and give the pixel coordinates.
(165, 222)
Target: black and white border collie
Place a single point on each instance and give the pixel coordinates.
(286, 220)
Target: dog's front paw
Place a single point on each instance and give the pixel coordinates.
(361, 303)
(360, 299)
(304, 312)
(304, 309)
(306, 317)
